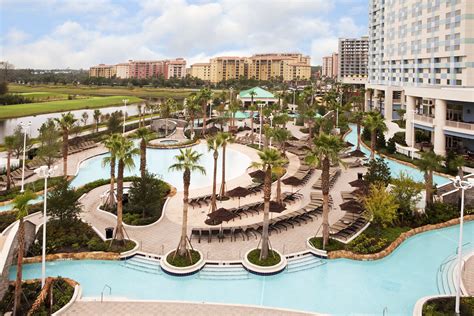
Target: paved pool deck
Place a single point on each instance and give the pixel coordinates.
(468, 276)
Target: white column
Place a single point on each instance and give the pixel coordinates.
(410, 124)
(367, 100)
(439, 123)
(388, 104)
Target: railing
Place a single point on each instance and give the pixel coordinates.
(106, 286)
(423, 118)
(460, 125)
(385, 311)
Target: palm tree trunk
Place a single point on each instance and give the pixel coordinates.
(111, 201)
(142, 158)
(251, 125)
(214, 184)
(65, 151)
(325, 189)
(223, 170)
(266, 212)
(358, 136)
(429, 187)
(119, 230)
(19, 267)
(192, 125)
(373, 139)
(9, 155)
(278, 191)
(204, 119)
(182, 247)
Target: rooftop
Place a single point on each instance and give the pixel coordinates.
(259, 93)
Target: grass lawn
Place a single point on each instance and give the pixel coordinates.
(272, 259)
(183, 261)
(19, 110)
(145, 92)
(44, 96)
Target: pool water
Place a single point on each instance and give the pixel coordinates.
(395, 167)
(158, 162)
(340, 287)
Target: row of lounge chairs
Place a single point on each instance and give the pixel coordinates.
(247, 139)
(344, 229)
(204, 200)
(333, 175)
(88, 144)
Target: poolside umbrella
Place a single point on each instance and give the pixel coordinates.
(238, 192)
(361, 191)
(218, 216)
(293, 181)
(357, 153)
(358, 183)
(275, 207)
(352, 206)
(258, 174)
(349, 144)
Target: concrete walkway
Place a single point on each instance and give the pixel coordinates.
(468, 276)
(114, 308)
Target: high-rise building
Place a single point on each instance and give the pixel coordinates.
(174, 68)
(103, 71)
(226, 68)
(330, 66)
(122, 70)
(421, 58)
(201, 71)
(353, 60)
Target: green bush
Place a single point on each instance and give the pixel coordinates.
(364, 244)
(445, 306)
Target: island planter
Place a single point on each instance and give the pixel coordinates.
(316, 251)
(181, 271)
(264, 270)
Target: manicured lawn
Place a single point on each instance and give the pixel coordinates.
(332, 245)
(19, 110)
(44, 96)
(183, 261)
(272, 259)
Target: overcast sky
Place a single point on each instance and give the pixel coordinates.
(81, 33)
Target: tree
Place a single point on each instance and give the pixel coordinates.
(192, 109)
(225, 139)
(63, 202)
(144, 135)
(19, 135)
(407, 192)
(213, 144)
(205, 94)
(325, 153)
(234, 106)
(380, 206)
(115, 122)
(252, 108)
(65, 123)
(84, 118)
(374, 122)
(281, 137)
(111, 143)
(358, 118)
(378, 171)
(187, 161)
(429, 162)
(49, 142)
(21, 206)
(9, 143)
(3, 87)
(97, 114)
(125, 151)
(269, 158)
(166, 109)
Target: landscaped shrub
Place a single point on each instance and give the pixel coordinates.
(363, 244)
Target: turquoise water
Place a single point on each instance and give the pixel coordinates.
(158, 162)
(9, 207)
(341, 287)
(395, 167)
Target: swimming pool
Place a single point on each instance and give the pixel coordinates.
(158, 162)
(341, 286)
(395, 167)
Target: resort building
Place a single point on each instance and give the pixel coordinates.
(174, 68)
(226, 68)
(102, 71)
(352, 60)
(421, 59)
(256, 95)
(330, 66)
(122, 71)
(201, 71)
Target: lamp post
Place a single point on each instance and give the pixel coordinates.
(24, 126)
(124, 115)
(261, 123)
(462, 185)
(271, 126)
(44, 172)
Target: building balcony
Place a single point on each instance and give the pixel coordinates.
(423, 119)
(460, 125)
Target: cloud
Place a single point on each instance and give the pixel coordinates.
(104, 31)
(15, 36)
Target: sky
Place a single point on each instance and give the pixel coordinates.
(47, 34)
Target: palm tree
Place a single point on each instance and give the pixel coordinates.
(192, 109)
(97, 114)
(269, 158)
(144, 134)
(325, 153)
(234, 106)
(374, 122)
(111, 143)
(281, 136)
(213, 144)
(85, 118)
(188, 162)
(252, 108)
(124, 154)
(166, 109)
(139, 111)
(205, 94)
(371, 95)
(429, 162)
(9, 143)
(358, 118)
(225, 139)
(21, 205)
(66, 123)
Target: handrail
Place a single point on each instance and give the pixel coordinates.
(102, 293)
(385, 309)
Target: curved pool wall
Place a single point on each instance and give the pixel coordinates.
(395, 167)
(341, 286)
(158, 162)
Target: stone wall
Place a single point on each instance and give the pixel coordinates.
(379, 255)
(96, 255)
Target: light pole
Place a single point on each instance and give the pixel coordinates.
(271, 126)
(44, 172)
(261, 123)
(24, 126)
(462, 185)
(124, 115)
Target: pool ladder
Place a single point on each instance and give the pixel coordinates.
(106, 286)
(385, 311)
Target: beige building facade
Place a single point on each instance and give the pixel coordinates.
(201, 71)
(103, 71)
(123, 70)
